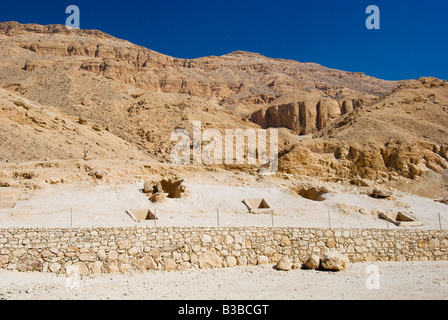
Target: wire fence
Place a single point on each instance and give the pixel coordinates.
(80, 217)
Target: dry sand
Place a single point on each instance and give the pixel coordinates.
(81, 205)
(397, 280)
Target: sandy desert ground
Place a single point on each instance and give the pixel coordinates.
(396, 281)
(79, 205)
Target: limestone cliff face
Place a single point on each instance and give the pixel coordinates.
(236, 80)
(304, 117)
(404, 134)
(364, 128)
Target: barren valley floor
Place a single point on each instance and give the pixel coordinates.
(397, 280)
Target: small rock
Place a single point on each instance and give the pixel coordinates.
(102, 256)
(231, 261)
(206, 238)
(285, 241)
(146, 263)
(296, 265)
(99, 174)
(86, 257)
(53, 180)
(444, 201)
(78, 268)
(169, 265)
(210, 259)
(381, 194)
(112, 267)
(55, 267)
(5, 184)
(19, 252)
(97, 267)
(112, 255)
(82, 121)
(126, 268)
(147, 187)
(242, 261)
(28, 263)
(158, 197)
(262, 260)
(124, 245)
(4, 259)
(149, 262)
(133, 251)
(331, 242)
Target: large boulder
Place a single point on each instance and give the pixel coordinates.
(334, 261)
(284, 264)
(313, 262)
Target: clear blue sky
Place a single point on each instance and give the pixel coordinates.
(412, 41)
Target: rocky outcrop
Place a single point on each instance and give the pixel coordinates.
(348, 105)
(402, 135)
(33, 65)
(13, 28)
(306, 116)
(335, 160)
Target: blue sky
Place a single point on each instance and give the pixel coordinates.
(412, 41)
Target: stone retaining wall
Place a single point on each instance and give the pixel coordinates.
(127, 250)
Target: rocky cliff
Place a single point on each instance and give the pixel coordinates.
(240, 81)
(402, 135)
(365, 129)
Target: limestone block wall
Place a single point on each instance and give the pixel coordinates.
(128, 250)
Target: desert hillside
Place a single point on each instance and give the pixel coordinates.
(141, 95)
(401, 135)
(65, 91)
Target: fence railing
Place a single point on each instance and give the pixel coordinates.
(80, 217)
